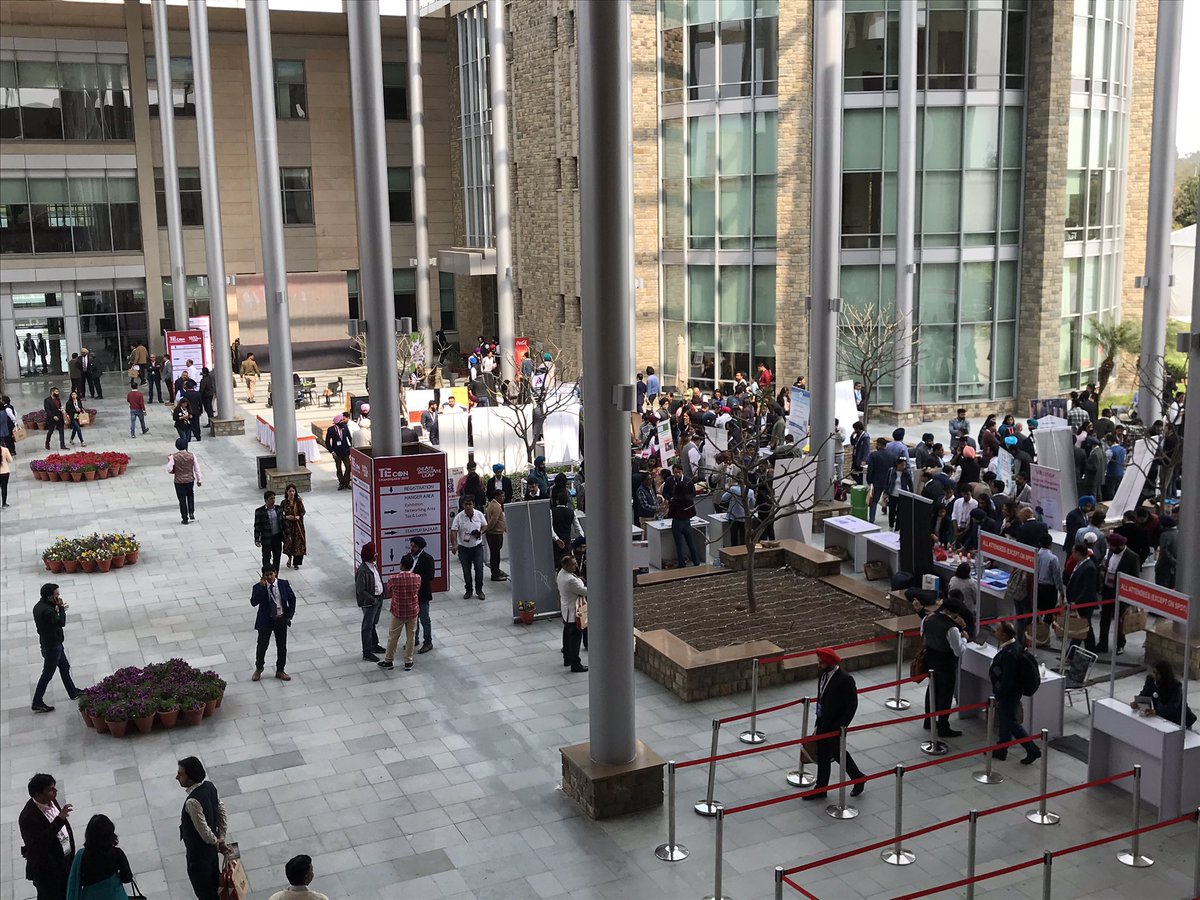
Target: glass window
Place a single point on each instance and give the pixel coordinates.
(672, 65)
(702, 290)
(736, 9)
(979, 203)
(735, 294)
(672, 331)
(15, 233)
(976, 305)
(1014, 51)
(1005, 358)
(116, 103)
(674, 305)
(41, 113)
(702, 61)
(735, 350)
(702, 219)
(673, 148)
(982, 137)
(766, 56)
(702, 146)
(1091, 285)
(1014, 140)
(940, 207)
(80, 101)
(764, 295)
(1006, 290)
(701, 10)
(1077, 139)
(764, 211)
(938, 293)
(296, 186)
(946, 40)
(974, 360)
(1080, 54)
(674, 213)
(1096, 139)
(766, 142)
(935, 369)
(291, 99)
(1070, 286)
(395, 91)
(1010, 206)
(1095, 195)
(865, 39)
(400, 205)
(737, 209)
(862, 139)
(1074, 223)
(862, 209)
(50, 209)
(986, 21)
(191, 202)
(447, 302)
(736, 58)
(737, 144)
(10, 101)
(124, 213)
(404, 293)
(943, 137)
(183, 86)
(860, 286)
(90, 227)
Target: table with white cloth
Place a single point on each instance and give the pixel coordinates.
(306, 444)
(850, 533)
(1043, 710)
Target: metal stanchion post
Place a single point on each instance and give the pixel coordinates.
(840, 810)
(933, 746)
(972, 828)
(716, 894)
(753, 735)
(671, 851)
(987, 776)
(897, 855)
(708, 806)
(1039, 816)
(800, 778)
(1133, 856)
(1196, 873)
(1047, 864)
(1066, 640)
(897, 702)
(779, 883)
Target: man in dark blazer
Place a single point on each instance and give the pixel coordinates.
(268, 531)
(48, 843)
(276, 604)
(1120, 561)
(499, 483)
(1083, 586)
(54, 418)
(837, 702)
(422, 564)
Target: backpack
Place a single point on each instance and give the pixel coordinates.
(1029, 677)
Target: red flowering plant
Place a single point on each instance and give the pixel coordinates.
(82, 461)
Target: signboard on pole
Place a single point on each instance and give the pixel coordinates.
(1004, 550)
(520, 348)
(666, 443)
(203, 324)
(182, 346)
(798, 415)
(1152, 598)
(1046, 491)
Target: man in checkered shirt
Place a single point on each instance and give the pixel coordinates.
(1077, 416)
(403, 590)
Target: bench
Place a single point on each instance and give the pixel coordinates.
(859, 589)
(683, 574)
(805, 559)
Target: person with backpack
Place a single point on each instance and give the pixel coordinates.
(1014, 674)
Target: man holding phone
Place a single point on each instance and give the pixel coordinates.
(276, 604)
(466, 540)
(50, 616)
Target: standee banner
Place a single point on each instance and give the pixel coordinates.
(520, 348)
(182, 346)
(1158, 600)
(666, 442)
(1046, 490)
(1007, 551)
(203, 324)
(798, 415)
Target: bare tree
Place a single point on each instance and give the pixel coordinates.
(872, 347)
(554, 386)
(410, 357)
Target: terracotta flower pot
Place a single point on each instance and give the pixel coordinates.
(221, 699)
(210, 707)
(90, 476)
(527, 616)
(118, 562)
(144, 723)
(70, 565)
(87, 718)
(117, 729)
(124, 466)
(193, 716)
(88, 565)
(54, 565)
(104, 564)
(52, 476)
(102, 473)
(77, 476)
(101, 725)
(168, 718)
(131, 557)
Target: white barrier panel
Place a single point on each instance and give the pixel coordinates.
(561, 436)
(452, 431)
(794, 486)
(1056, 450)
(495, 440)
(1129, 491)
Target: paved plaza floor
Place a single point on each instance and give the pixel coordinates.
(442, 782)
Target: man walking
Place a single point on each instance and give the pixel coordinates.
(422, 565)
(268, 532)
(75, 373)
(49, 617)
(837, 702)
(338, 442)
(404, 589)
(250, 375)
(466, 541)
(139, 356)
(497, 527)
(1003, 674)
(571, 589)
(185, 468)
(137, 407)
(55, 420)
(202, 828)
(48, 843)
(276, 604)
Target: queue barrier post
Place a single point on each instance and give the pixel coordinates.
(779, 883)
(798, 777)
(1133, 856)
(1196, 873)
(1065, 640)
(972, 830)
(720, 841)
(1039, 816)
(933, 746)
(840, 810)
(1047, 864)
(987, 776)
(709, 807)
(671, 851)
(897, 855)
(753, 735)
(897, 702)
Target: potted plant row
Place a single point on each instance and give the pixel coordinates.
(81, 466)
(91, 553)
(159, 692)
(36, 420)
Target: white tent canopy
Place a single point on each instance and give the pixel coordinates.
(1183, 267)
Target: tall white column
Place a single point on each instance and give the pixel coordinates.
(1160, 209)
(906, 218)
(210, 197)
(416, 117)
(502, 204)
(605, 134)
(270, 224)
(166, 124)
(1188, 576)
(826, 212)
(374, 225)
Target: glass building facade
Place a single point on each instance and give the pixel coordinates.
(475, 126)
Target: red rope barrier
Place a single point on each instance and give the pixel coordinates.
(917, 717)
(746, 807)
(1050, 795)
(890, 684)
(1088, 845)
(963, 755)
(799, 700)
(1044, 612)
(878, 845)
(802, 891)
(733, 754)
(1008, 870)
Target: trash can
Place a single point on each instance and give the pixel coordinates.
(858, 501)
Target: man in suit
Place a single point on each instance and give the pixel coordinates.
(47, 838)
(276, 604)
(422, 564)
(75, 373)
(268, 532)
(92, 369)
(837, 702)
(1083, 587)
(191, 393)
(49, 617)
(499, 483)
(1120, 561)
(55, 420)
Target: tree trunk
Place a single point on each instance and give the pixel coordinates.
(751, 550)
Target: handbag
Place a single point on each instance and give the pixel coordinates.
(1077, 627)
(919, 666)
(581, 613)
(234, 884)
(1133, 619)
(1018, 587)
(83, 419)
(135, 892)
(19, 433)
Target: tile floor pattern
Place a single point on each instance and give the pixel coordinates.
(440, 782)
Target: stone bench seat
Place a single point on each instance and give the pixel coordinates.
(805, 559)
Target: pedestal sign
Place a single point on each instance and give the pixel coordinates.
(1162, 602)
(182, 346)
(666, 442)
(396, 498)
(203, 324)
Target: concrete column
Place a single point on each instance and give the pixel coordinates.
(416, 117)
(1160, 208)
(502, 203)
(166, 124)
(214, 242)
(270, 219)
(374, 226)
(605, 135)
(906, 217)
(1188, 575)
(827, 209)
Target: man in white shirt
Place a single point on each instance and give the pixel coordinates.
(960, 512)
(299, 872)
(450, 407)
(202, 828)
(466, 540)
(360, 437)
(570, 590)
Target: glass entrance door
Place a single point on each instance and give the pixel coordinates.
(41, 344)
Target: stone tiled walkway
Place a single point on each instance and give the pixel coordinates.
(440, 782)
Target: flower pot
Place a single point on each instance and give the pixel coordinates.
(117, 728)
(118, 562)
(144, 723)
(193, 716)
(131, 557)
(70, 565)
(90, 476)
(88, 565)
(210, 707)
(527, 616)
(124, 466)
(104, 564)
(101, 725)
(168, 717)
(102, 473)
(54, 565)
(77, 476)
(221, 699)
(87, 718)
(52, 476)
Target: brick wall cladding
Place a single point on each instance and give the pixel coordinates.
(1047, 114)
(644, 50)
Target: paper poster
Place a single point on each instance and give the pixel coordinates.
(1004, 469)
(666, 443)
(182, 346)
(203, 324)
(845, 410)
(1046, 491)
(716, 440)
(798, 415)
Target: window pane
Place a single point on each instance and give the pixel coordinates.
(862, 139)
(1014, 51)
(764, 210)
(938, 293)
(860, 286)
(701, 293)
(1013, 137)
(289, 71)
(974, 360)
(736, 208)
(1010, 201)
(672, 65)
(936, 362)
(862, 208)
(51, 214)
(735, 294)
(1075, 206)
(976, 292)
(940, 205)
(673, 217)
(986, 32)
(946, 39)
(41, 118)
(299, 179)
(1005, 352)
(943, 138)
(764, 295)
(1091, 286)
(737, 144)
(15, 234)
(736, 75)
(982, 149)
(891, 139)
(766, 56)
(702, 149)
(702, 221)
(979, 202)
(1006, 290)
(864, 43)
(766, 141)
(673, 296)
(702, 61)
(1070, 283)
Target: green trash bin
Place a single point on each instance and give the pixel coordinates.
(858, 501)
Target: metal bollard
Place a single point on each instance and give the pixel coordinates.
(933, 746)
(753, 735)
(1133, 856)
(779, 883)
(1047, 864)
(716, 894)
(840, 810)
(972, 828)
(1196, 873)
(1066, 640)
(708, 806)
(897, 855)
(897, 702)
(1039, 816)
(671, 851)
(798, 777)
(987, 776)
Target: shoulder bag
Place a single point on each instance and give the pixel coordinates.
(581, 613)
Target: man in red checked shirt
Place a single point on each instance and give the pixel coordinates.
(403, 590)
(764, 378)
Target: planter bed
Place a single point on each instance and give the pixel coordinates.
(36, 421)
(135, 701)
(93, 553)
(80, 466)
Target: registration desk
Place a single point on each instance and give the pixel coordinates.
(991, 597)
(661, 543)
(850, 533)
(1169, 756)
(1043, 710)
